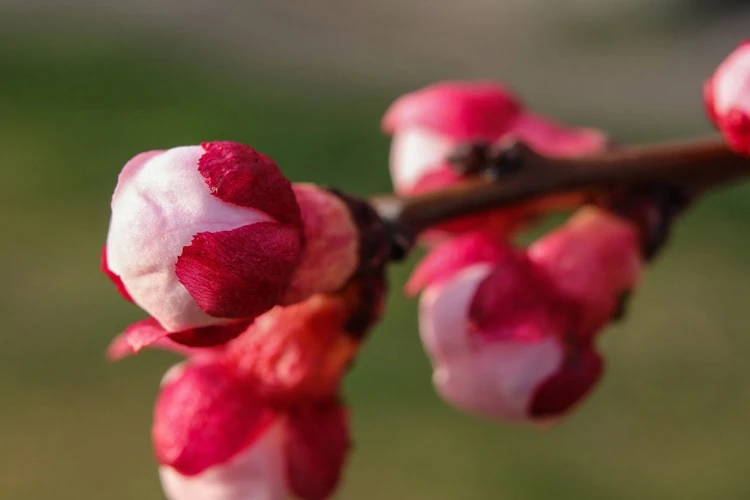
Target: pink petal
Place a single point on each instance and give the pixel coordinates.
(297, 351)
(240, 175)
(331, 251)
(444, 314)
(550, 138)
(499, 379)
(316, 444)
(563, 390)
(730, 83)
(462, 110)
(210, 336)
(727, 98)
(136, 337)
(204, 417)
(257, 473)
(240, 273)
(736, 130)
(592, 259)
(112, 276)
(149, 333)
(121, 347)
(454, 255)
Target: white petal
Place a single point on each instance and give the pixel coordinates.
(500, 380)
(732, 82)
(414, 152)
(444, 314)
(256, 474)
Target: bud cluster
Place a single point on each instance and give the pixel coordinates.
(269, 288)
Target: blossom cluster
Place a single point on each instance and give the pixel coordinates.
(269, 288)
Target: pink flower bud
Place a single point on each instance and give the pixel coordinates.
(203, 235)
(727, 99)
(215, 437)
(593, 260)
(497, 335)
(260, 416)
(428, 124)
(206, 238)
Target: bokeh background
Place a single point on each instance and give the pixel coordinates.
(86, 84)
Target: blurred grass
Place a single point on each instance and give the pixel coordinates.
(669, 420)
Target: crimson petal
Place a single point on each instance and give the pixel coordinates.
(149, 333)
(316, 446)
(238, 174)
(204, 417)
(240, 273)
(569, 386)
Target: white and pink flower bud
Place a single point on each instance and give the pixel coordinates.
(500, 333)
(429, 123)
(593, 259)
(727, 99)
(260, 416)
(216, 437)
(206, 238)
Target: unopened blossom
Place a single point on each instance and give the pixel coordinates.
(428, 124)
(260, 417)
(727, 98)
(511, 332)
(206, 238)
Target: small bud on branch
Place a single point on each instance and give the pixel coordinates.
(564, 183)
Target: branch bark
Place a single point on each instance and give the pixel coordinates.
(519, 176)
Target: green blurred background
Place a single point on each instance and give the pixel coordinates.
(86, 85)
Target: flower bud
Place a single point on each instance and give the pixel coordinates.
(496, 334)
(203, 235)
(727, 99)
(260, 417)
(428, 124)
(206, 238)
(216, 437)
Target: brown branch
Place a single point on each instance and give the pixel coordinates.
(522, 176)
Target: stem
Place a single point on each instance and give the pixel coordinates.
(695, 166)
